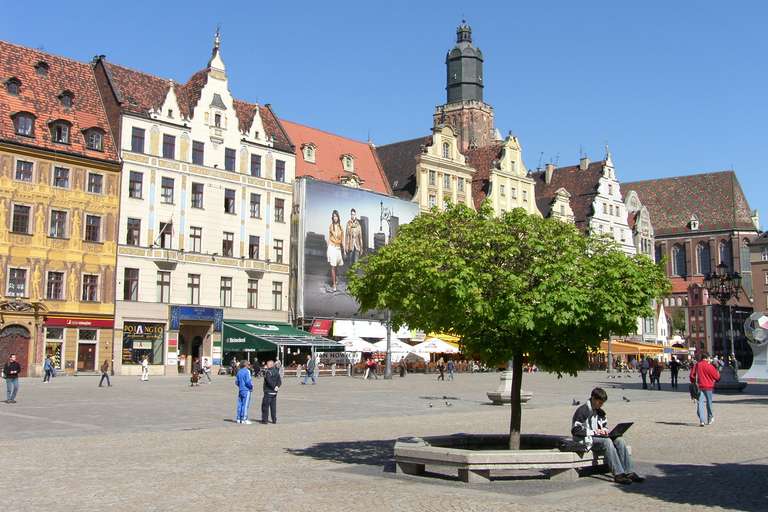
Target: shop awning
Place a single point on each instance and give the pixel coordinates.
(247, 335)
(629, 348)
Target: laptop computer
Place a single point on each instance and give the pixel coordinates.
(618, 430)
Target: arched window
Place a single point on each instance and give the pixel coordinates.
(702, 258)
(678, 260)
(725, 255)
(446, 150)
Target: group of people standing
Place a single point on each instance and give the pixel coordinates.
(343, 242)
(272, 383)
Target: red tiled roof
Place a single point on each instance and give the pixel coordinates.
(39, 95)
(581, 184)
(716, 198)
(483, 160)
(398, 160)
(329, 149)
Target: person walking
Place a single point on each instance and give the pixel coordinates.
(207, 368)
(451, 368)
(645, 366)
(11, 372)
(705, 375)
(402, 365)
(272, 383)
(145, 368)
(105, 373)
(674, 369)
(244, 388)
(48, 368)
(311, 367)
(656, 375)
(441, 368)
(256, 368)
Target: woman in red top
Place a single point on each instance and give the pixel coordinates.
(705, 375)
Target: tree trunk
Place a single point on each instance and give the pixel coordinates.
(516, 404)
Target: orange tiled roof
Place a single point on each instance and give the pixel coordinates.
(40, 96)
(328, 151)
(483, 160)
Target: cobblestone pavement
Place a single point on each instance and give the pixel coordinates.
(163, 445)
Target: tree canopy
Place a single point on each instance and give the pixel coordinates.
(510, 285)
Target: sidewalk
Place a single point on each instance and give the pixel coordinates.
(163, 445)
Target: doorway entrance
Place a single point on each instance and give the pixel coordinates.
(86, 357)
(14, 339)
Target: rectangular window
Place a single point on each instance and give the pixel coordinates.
(169, 146)
(278, 247)
(20, 223)
(253, 293)
(229, 201)
(165, 234)
(279, 170)
(227, 244)
(133, 232)
(525, 195)
(60, 177)
(432, 201)
(135, 183)
(226, 292)
(61, 133)
(131, 284)
(90, 288)
(95, 183)
(197, 195)
(23, 170)
(277, 296)
(137, 140)
(54, 288)
(25, 125)
(501, 190)
(193, 289)
(279, 210)
(255, 205)
(196, 239)
(92, 228)
(198, 152)
(447, 181)
(166, 190)
(765, 254)
(229, 159)
(253, 247)
(94, 140)
(17, 282)
(513, 193)
(461, 185)
(163, 286)
(58, 224)
(256, 165)
(432, 177)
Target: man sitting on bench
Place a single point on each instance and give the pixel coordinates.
(589, 428)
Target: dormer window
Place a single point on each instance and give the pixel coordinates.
(41, 68)
(348, 163)
(66, 99)
(13, 86)
(24, 124)
(60, 132)
(309, 152)
(94, 139)
(694, 222)
(170, 113)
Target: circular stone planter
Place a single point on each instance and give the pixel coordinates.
(476, 456)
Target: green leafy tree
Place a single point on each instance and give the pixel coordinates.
(677, 317)
(508, 286)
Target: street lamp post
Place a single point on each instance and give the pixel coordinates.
(386, 318)
(723, 286)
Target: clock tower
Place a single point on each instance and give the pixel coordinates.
(465, 109)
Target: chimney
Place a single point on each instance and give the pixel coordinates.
(584, 164)
(548, 173)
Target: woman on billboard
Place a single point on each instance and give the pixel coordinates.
(335, 252)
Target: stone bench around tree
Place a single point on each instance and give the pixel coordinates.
(477, 456)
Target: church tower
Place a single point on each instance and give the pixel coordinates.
(465, 109)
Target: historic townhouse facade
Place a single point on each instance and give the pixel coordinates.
(59, 195)
(205, 220)
(701, 221)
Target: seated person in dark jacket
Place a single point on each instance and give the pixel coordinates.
(588, 424)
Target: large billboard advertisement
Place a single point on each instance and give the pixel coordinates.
(334, 226)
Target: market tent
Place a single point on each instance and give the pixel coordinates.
(413, 357)
(249, 335)
(630, 348)
(355, 344)
(394, 346)
(436, 346)
(448, 338)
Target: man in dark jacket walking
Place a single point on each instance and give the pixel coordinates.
(311, 370)
(11, 371)
(272, 383)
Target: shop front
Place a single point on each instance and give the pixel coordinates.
(77, 343)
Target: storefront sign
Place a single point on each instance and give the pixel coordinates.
(140, 339)
(179, 313)
(79, 322)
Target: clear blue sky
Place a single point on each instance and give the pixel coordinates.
(676, 87)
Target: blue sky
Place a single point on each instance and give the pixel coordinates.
(676, 88)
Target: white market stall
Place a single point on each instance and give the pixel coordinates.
(435, 346)
(398, 348)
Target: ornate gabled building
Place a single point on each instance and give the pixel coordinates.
(206, 205)
(59, 195)
(335, 159)
(699, 222)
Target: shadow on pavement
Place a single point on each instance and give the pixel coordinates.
(371, 453)
(728, 486)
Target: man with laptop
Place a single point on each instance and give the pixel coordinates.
(589, 428)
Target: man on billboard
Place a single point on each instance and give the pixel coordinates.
(353, 238)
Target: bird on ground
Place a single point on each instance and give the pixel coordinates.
(448, 404)
(430, 404)
(575, 402)
(626, 399)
